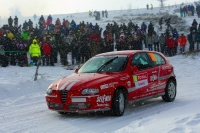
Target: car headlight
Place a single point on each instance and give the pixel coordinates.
(90, 91)
(49, 91)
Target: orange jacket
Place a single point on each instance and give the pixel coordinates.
(182, 40)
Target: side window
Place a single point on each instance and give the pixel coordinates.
(141, 60)
(156, 59)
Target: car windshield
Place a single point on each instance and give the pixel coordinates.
(105, 64)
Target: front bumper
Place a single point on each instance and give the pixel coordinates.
(70, 103)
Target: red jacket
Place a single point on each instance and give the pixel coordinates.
(48, 21)
(175, 43)
(46, 49)
(182, 40)
(170, 42)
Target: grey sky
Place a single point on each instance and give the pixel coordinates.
(45, 7)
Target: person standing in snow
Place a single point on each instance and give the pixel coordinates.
(149, 41)
(162, 42)
(46, 52)
(151, 6)
(34, 51)
(16, 21)
(182, 40)
(106, 13)
(161, 22)
(198, 39)
(103, 13)
(192, 39)
(170, 45)
(147, 7)
(155, 38)
(10, 21)
(144, 27)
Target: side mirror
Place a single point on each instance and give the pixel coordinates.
(76, 70)
(133, 69)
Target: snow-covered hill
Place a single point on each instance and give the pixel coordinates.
(23, 108)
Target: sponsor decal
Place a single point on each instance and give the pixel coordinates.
(105, 86)
(104, 98)
(102, 104)
(141, 83)
(129, 83)
(153, 86)
(135, 78)
(153, 77)
(124, 78)
(165, 67)
(140, 80)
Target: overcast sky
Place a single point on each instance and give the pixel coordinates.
(45, 7)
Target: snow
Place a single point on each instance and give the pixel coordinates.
(23, 107)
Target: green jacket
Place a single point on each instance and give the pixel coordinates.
(34, 49)
(25, 35)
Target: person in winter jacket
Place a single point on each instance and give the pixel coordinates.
(10, 21)
(161, 22)
(144, 27)
(155, 38)
(16, 21)
(34, 51)
(25, 35)
(162, 42)
(10, 35)
(175, 33)
(175, 43)
(192, 40)
(170, 45)
(3, 59)
(195, 24)
(22, 55)
(46, 52)
(198, 39)
(182, 40)
(149, 41)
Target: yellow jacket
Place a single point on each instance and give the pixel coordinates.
(34, 49)
(10, 35)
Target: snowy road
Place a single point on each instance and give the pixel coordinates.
(23, 107)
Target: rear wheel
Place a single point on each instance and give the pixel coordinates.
(170, 92)
(118, 103)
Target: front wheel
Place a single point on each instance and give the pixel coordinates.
(118, 103)
(170, 92)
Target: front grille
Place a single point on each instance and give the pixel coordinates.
(64, 95)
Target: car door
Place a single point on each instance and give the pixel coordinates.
(158, 65)
(141, 78)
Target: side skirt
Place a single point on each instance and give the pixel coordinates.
(146, 98)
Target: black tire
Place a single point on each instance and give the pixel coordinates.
(170, 92)
(118, 103)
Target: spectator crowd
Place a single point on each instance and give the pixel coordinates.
(84, 40)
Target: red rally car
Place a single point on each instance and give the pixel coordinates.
(108, 81)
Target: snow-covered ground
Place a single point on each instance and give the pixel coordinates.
(23, 108)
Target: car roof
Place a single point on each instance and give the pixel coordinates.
(124, 52)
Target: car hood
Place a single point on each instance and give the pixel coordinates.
(80, 81)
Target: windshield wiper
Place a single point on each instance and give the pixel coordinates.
(106, 63)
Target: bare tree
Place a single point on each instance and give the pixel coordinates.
(162, 3)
